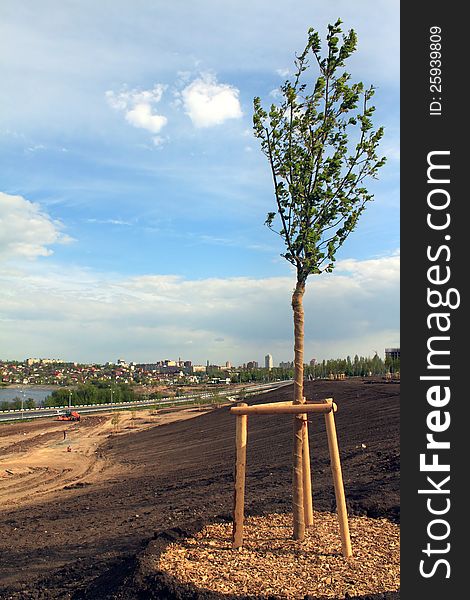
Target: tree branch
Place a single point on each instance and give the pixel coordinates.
(279, 206)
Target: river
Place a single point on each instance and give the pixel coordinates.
(37, 392)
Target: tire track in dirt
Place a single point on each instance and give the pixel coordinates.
(44, 463)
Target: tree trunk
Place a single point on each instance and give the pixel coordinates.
(297, 484)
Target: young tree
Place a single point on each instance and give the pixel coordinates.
(115, 420)
(321, 147)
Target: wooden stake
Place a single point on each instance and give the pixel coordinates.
(280, 408)
(240, 469)
(307, 478)
(297, 480)
(338, 483)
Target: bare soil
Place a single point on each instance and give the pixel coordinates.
(96, 530)
(38, 458)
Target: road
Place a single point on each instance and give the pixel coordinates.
(230, 394)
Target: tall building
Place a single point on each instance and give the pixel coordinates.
(392, 353)
(268, 362)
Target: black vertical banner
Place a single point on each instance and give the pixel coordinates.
(435, 368)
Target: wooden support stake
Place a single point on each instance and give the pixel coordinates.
(297, 479)
(240, 469)
(280, 408)
(307, 478)
(338, 483)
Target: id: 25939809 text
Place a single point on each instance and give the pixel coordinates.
(435, 70)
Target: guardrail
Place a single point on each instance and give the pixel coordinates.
(37, 412)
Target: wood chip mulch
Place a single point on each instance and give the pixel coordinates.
(271, 563)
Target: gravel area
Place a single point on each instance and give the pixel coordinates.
(272, 564)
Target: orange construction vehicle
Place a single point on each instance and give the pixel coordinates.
(69, 415)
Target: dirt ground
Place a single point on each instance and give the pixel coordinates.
(87, 523)
(40, 457)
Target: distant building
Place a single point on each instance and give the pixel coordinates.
(268, 362)
(286, 365)
(228, 365)
(252, 364)
(148, 366)
(199, 368)
(43, 361)
(392, 353)
(172, 369)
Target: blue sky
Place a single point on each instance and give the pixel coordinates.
(133, 194)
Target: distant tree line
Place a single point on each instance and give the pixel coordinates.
(359, 366)
(16, 404)
(91, 393)
(87, 393)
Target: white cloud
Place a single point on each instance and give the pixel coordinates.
(128, 98)
(35, 148)
(141, 116)
(109, 221)
(89, 316)
(138, 107)
(208, 103)
(25, 230)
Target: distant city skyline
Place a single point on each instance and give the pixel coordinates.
(227, 364)
(133, 194)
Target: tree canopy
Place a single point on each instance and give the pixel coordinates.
(321, 146)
